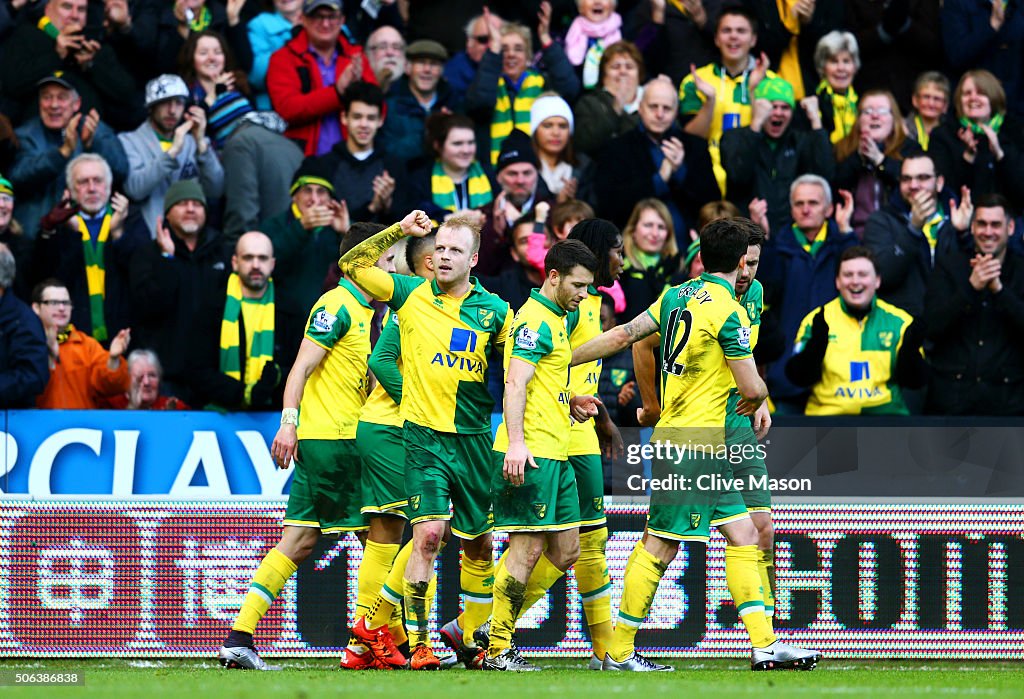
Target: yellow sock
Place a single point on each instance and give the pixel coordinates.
(544, 575)
(639, 586)
(477, 582)
(745, 587)
(417, 611)
(595, 588)
(373, 571)
(508, 602)
(390, 597)
(270, 577)
(766, 567)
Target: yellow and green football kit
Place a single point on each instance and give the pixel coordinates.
(858, 372)
(547, 499)
(325, 491)
(701, 327)
(446, 406)
(734, 101)
(379, 433)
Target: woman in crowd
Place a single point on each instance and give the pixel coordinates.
(567, 175)
(596, 27)
(611, 108)
(652, 256)
(930, 100)
(869, 157)
(178, 21)
(983, 148)
(208, 69)
(837, 59)
(452, 180)
(269, 31)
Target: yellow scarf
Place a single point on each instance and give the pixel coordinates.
(789, 65)
(844, 110)
(95, 273)
(259, 326)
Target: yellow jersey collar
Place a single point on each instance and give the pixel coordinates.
(356, 293)
(718, 280)
(547, 303)
(846, 310)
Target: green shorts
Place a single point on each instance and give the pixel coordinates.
(590, 485)
(383, 453)
(750, 467)
(546, 501)
(325, 491)
(443, 468)
(687, 509)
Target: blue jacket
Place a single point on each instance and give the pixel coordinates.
(39, 168)
(795, 283)
(24, 366)
(404, 125)
(459, 72)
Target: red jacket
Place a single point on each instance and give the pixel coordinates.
(297, 92)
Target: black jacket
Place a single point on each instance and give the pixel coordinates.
(625, 171)
(975, 339)
(24, 366)
(353, 179)
(60, 255)
(903, 256)
(169, 293)
(755, 169)
(985, 175)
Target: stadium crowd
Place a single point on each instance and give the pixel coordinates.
(176, 177)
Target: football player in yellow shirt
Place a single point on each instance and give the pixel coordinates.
(705, 348)
(327, 387)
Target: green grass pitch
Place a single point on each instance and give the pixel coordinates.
(562, 679)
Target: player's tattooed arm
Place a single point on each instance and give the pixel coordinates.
(615, 340)
(359, 263)
(645, 370)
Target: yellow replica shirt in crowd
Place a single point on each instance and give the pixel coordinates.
(701, 326)
(733, 106)
(857, 373)
(380, 408)
(540, 336)
(583, 379)
(336, 390)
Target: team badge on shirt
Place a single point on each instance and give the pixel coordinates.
(527, 339)
(323, 321)
(486, 317)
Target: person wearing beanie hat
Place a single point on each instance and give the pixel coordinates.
(764, 158)
(12, 235)
(170, 145)
(305, 236)
(567, 175)
(183, 190)
(516, 148)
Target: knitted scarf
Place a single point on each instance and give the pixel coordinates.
(95, 273)
(995, 123)
(512, 113)
(442, 188)
(811, 247)
(201, 21)
(931, 227)
(585, 43)
(844, 110)
(46, 26)
(789, 64)
(260, 313)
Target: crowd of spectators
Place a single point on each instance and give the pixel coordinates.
(176, 177)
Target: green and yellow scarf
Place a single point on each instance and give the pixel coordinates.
(844, 110)
(96, 273)
(813, 246)
(46, 26)
(442, 187)
(259, 321)
(509, 115)
(201, 20)
(789, 63)
(931, 227)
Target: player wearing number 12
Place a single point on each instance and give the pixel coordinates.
(706, 345)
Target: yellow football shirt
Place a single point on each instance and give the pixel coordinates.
(380, 408)
(733, 107)
(584, 379)
(701, 326)
(540, 336)
(336, 390)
